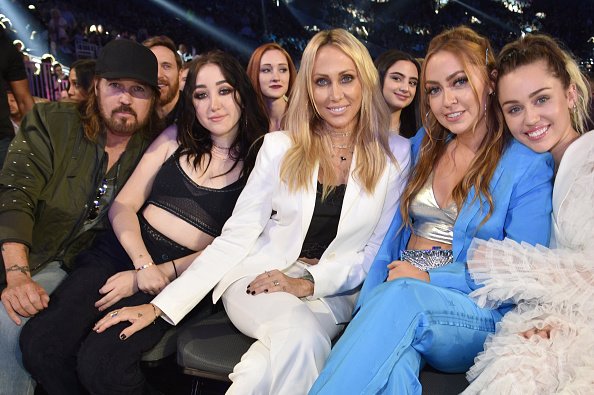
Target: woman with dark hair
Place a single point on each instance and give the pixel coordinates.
(172, 207)
(469, 181)
(272, 73)
(80, 79)
(399, 75)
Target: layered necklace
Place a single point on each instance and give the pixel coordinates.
(342, 151)
(220, 152)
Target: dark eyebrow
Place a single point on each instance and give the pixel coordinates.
(270, 64)
(454, 75)
(448, 78)
(217, 83)
(402, 75)
(536, 92)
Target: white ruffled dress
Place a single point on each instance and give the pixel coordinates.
(549, 287)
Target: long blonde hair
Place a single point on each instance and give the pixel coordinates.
(310, 145)
(472, 50)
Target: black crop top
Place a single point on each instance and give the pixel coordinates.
(324, 223)
(205, 208)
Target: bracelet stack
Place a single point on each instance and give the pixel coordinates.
(144, 266)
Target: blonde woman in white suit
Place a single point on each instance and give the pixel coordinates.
(306, 227)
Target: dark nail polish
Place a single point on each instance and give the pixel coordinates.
(253, 292)
(248, 287)
(266, 290)
(247, 292)
(123, 337)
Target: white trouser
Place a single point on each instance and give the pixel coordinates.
(293, 340)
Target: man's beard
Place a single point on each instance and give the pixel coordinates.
(122, 126)
(171, 93)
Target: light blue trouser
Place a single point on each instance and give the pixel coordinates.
(14, 379)
(405, 323)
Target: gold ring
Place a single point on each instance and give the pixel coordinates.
(114, 313)
(276, 283)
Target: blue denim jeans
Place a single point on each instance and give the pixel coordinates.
(14, 379)
(404, 324)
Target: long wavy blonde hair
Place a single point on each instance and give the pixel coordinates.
(310, 145)
(475, 51)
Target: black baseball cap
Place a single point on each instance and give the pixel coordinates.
(127, 59)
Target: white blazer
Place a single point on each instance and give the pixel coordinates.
(269, 224)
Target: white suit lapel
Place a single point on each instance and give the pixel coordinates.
(308, 202)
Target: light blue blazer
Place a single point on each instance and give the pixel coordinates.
(521, 190)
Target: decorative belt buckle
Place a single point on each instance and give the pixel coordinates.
(427, 259)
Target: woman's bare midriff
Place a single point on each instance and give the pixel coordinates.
(176, 228)
(421, 243)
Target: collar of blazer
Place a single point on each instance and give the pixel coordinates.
(352, 206)
(472, 212)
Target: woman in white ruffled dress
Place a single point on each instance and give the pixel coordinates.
(545, 344)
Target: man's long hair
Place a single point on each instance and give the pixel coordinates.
(93, 124)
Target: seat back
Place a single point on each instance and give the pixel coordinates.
(210, 348)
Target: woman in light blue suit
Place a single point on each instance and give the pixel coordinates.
(469, 181)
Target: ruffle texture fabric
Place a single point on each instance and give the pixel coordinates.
(550, 288)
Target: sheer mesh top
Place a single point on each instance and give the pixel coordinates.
(429, 220)
(205, 208)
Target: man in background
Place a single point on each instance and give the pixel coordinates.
(169, 68)
(13, 75)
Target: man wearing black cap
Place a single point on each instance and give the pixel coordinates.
(62, 171)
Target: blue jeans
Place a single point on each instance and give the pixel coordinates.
(404, 324)
(14, 379)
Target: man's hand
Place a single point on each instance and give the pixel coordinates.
(23, 296)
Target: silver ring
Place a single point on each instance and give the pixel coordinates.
(276, 283)
(113, 314)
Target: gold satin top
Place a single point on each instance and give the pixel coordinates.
(429, 220)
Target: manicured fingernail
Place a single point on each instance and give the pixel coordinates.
(248, 287)
(123, 337)
(266, 290)
(253, 292)
(247, 292)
